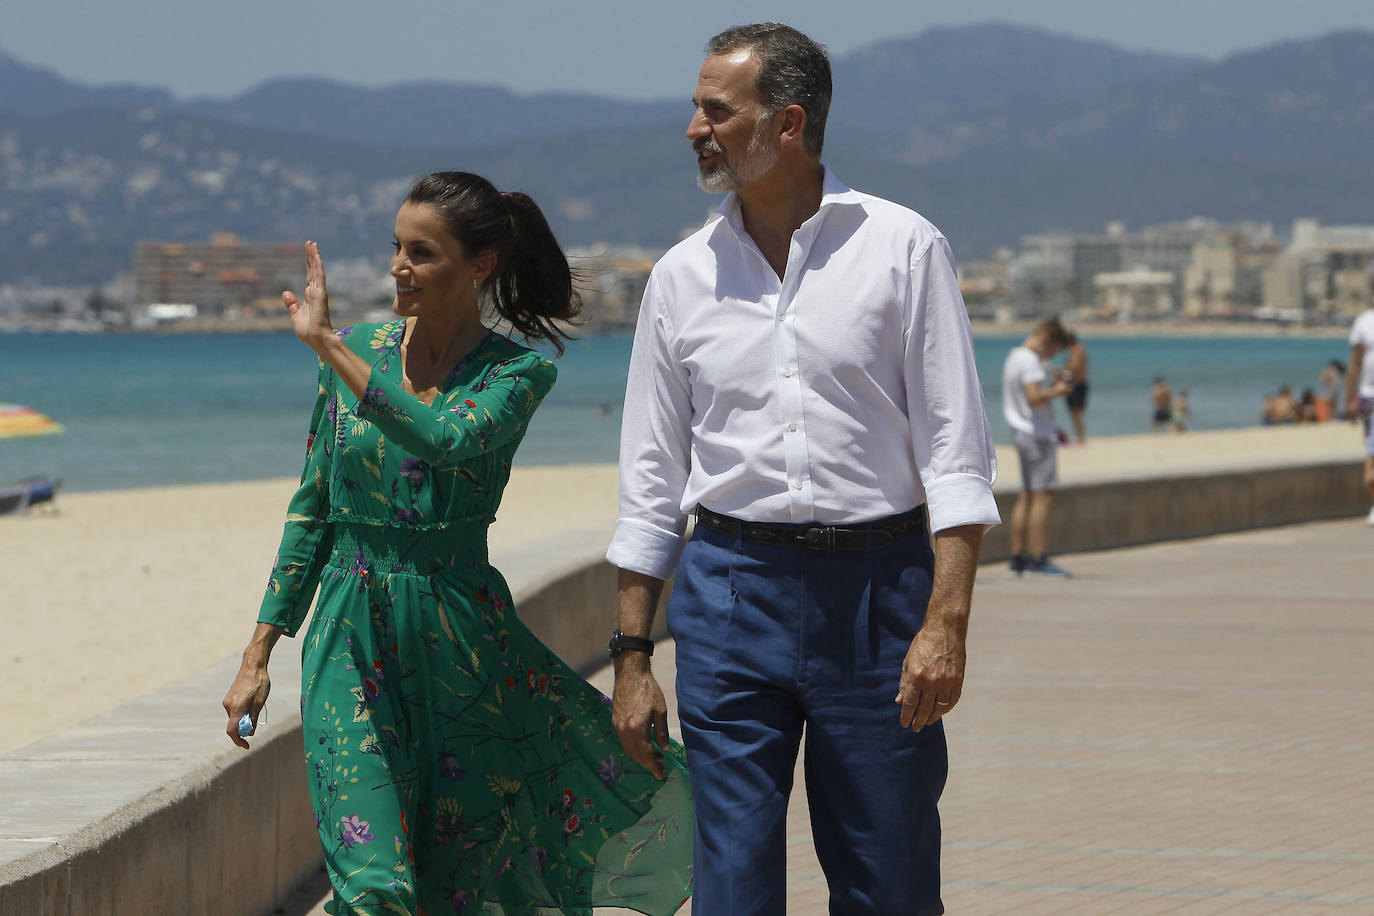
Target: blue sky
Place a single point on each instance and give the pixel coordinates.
(626, 48)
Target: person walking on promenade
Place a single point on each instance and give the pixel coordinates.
(455, 764)
(1076, 374)
(1026, 405)
(1161, 402)
(803, 379)
(1359, 390)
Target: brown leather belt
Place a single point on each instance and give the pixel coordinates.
(825, 538)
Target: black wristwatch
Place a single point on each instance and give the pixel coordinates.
(620, 642)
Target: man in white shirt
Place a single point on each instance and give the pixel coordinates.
(1359, 389)
(1026, 404)
(803, 378)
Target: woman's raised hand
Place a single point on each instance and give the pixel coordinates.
(310, 315)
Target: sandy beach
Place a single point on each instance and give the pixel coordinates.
(121, 592)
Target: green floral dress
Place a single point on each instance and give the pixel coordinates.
(455, 763)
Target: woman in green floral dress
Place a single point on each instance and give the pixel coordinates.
(455, 764)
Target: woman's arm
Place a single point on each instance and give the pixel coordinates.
(248, 693)
(438, 435)
(305, 545)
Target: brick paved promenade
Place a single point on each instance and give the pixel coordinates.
(1185, 728)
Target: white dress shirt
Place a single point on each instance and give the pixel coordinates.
(843, 392)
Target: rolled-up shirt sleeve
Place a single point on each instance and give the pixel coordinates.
(655, 447)
(950, 435)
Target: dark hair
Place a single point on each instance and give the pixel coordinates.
(1053, 331)
(531, 286)
(793, 70)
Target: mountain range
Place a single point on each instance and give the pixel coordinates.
(992, 131)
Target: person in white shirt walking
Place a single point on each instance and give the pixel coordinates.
(1359, 389)
(1026, 404)
(803, 380)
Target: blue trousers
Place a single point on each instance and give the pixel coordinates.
(773, 641)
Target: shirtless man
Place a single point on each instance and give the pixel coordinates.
(1163, 400)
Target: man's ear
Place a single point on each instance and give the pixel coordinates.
(793, 124)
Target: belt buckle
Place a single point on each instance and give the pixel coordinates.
(819, 538)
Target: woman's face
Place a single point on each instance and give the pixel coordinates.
(433, 272)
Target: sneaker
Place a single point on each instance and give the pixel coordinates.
(1018, 563)
(1044, 567)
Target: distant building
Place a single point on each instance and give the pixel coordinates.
(223, 277)
(1136, 295)
(1214, 270)
(1333, 265)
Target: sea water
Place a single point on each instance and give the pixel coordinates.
(148, 410)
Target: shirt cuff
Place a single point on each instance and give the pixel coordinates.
(644, 548)
(961, 499)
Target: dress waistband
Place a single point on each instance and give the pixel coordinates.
(384, 549)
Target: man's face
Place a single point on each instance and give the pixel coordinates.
(730, 130)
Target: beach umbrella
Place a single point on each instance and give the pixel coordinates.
(18, 422)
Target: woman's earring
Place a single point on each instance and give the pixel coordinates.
(475, 284)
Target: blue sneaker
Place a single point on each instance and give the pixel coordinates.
(1018, 563)
(1044, 567)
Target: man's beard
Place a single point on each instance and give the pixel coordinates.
(733, 176)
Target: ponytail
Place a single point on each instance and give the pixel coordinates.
(533, 288)
(532, 285)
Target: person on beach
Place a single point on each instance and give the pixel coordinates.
(1359, 390)
(1076, 374)
(1307, 406)
(456, 765)
(802, 379)
(1027, 408)
(1181, 411)
(1162, 405)
(1332, 386)
(1281, 408)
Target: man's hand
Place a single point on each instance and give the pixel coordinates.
(932, 675)
(933, 672)
(639, 712)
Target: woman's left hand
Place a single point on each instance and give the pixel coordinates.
(310, 314)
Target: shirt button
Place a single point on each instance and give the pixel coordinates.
(797, 485)
(787, 373)
(791, 427)
(782, 317)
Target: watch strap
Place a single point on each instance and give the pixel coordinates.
(621, 642)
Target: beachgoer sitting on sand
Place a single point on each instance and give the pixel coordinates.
(1281, 408)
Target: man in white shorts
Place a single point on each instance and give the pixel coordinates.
(1359, 390)
(1026, 404)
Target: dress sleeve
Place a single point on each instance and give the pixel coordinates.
(458, 431)
(308, 537)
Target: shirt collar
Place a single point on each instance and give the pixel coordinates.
(833, 192)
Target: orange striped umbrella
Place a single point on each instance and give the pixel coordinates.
(17, 422)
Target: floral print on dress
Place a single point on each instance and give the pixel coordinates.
(454, 762)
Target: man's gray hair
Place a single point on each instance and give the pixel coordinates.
(793, 70)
